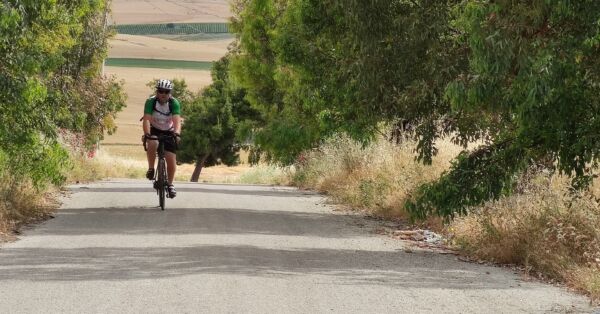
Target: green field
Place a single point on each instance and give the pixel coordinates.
(158, 64)
(173, 28)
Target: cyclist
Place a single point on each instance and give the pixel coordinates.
(162, 117)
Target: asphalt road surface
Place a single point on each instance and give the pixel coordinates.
(242, 249)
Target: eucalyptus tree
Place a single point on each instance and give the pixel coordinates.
(521, 77)
(362, 64)
(532, 91)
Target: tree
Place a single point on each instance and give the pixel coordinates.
(256, 69)
(212, 122)
(533, 86)
(313, 68)
(520, 77)
(51, 52)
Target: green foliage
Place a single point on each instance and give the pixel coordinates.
(545, 66)
(533, 76)
(52, 53)
(345, 66)
(520, 77)
(282, 131)
(487, 173)
(212, 120)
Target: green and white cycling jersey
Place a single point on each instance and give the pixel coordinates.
(162, 115)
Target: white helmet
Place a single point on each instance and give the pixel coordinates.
(164, 84)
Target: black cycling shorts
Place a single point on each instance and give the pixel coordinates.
(170, 144)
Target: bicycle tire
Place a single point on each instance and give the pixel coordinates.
(161, 180)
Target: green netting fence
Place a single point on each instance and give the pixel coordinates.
(173, 28)
(158, 63)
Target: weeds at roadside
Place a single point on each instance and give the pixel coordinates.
(266, 174)
(104, 166)
(21, 203)
(545, 228)
(377, 178)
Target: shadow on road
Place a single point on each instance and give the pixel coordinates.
(91, 221)
(341, 265)
(346, 266)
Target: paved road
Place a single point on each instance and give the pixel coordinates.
(241, 249)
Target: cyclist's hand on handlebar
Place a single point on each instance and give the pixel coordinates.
(177, 137)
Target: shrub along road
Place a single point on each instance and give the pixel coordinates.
(226, 248)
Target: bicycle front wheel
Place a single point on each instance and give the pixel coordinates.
(161, 181)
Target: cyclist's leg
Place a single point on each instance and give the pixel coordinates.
(171, 165)
(170, 156)
(151, 146)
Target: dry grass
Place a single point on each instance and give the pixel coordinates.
(104, 166)
(150, 47)
(546, 228)
(587, 280)
(377, 178)
(21, 203)
(266, 174)
(129, 161)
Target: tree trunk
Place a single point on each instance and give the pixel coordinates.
(198, 168)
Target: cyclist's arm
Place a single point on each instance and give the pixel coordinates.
(148, 108)
(176, 116)
(146, 123)
(177, 124)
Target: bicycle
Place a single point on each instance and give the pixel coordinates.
(161, 182)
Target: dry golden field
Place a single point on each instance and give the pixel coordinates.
(144, 47)
(169, 11)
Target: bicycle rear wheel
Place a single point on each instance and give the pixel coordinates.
(161, 181)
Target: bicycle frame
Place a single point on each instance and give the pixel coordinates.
(161, 175)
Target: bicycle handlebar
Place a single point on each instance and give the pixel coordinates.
(146, 137)
(159, 137)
